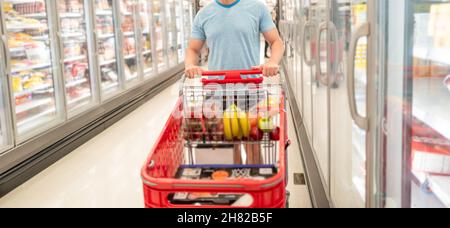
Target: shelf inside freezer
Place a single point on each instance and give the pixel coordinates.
(431, 104)
(31, 121)
(30, 67)
(33, 89)
(148, 70)
(107, 62)
(75, 58)
(110, 86)
(32, 105)
(75, 100)
(21, 27)
(132, 56)
(70, 15)
(35, 15)
(128, 33)
(76, 82)
(105, 36)
(104, 13)
(72, 34)
(437, 185)
(439, 55)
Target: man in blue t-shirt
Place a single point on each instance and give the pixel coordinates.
(232, 29)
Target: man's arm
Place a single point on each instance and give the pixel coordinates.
(192, 58)
(272, 67)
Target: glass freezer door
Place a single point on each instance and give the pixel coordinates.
(297, 80)
(77, 70)
(145, 19)
(308, 55)
(418, 104)
(30, 65)
(129, 44)
(348, 141)
(320, 111)
(158, 23)
(105, 30)
(5, 120)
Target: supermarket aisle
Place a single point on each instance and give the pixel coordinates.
(104, 172)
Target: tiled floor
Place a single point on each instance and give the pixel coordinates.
(104, 172)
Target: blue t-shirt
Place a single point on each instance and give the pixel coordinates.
(232, 33)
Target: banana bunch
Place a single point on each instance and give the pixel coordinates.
(236, 124)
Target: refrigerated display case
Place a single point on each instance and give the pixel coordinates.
(75, 48)
(320, 78)
(70, 66)
(160, 40)
(32, 71)
(146, 27)
(106, 39)
(129, 36)
(417, 134)
(347, 139)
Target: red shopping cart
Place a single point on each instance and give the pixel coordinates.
(237, 113)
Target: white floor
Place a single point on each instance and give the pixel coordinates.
(105, 172)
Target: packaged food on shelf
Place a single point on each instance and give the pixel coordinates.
(421, 68)
(432, 159)
(38, 52)
(29, 7)
(105, 25)
(107, 50)
(440, 29)
(127, 24)
(127, 6)
(70, 25)
(103, 4)
(17, 84)
(430, 150)
(76, 70)
(109, 75)
(439, 70)
(72, 49)
(129, 47)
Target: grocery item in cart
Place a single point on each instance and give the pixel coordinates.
(244, 110)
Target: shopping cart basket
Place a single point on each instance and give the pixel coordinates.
(235, 111)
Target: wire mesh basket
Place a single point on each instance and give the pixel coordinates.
(242, 111)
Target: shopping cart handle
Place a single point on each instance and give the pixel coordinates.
(232, 77)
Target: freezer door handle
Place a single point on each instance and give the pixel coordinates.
(309, 62)
(59, 38)
(320, 76)
(362, 31)
(334, 54)
(7, 54)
